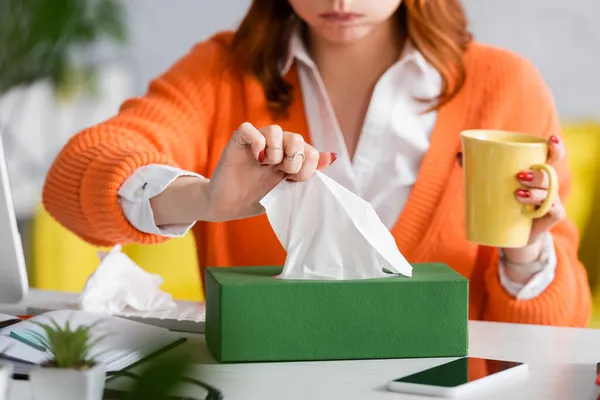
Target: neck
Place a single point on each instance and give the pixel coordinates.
(367, 58)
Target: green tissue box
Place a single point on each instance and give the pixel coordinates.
(252, 317)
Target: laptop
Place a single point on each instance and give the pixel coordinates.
(13, 282)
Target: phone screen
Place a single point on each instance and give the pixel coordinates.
(459, 372)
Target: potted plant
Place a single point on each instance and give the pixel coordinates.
(64, 45)
(37, 39)
(71, 372)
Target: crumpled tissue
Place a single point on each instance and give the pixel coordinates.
(118, 283)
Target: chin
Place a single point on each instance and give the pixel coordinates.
(343, 35)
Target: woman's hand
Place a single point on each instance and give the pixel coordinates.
(534, 190)
(254, 162)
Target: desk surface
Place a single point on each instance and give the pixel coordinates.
(562, 366)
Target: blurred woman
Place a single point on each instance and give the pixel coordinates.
(383, 88)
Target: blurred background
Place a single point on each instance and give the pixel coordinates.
(67, 64)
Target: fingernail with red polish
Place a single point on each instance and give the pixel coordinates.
(290, 180)
(334, 157)
(523, 193)
(459, 158)
(525, 176)
(554, 139)
(261, 156)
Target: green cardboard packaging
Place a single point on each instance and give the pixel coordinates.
(251, 316)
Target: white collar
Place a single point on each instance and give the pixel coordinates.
(297, 51)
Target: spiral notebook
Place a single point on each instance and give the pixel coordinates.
(124, 342)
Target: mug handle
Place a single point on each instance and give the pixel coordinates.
(552, 192)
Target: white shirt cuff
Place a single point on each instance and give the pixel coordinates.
(136, 192)
(540, 281)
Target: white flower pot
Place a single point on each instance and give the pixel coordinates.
(67, 384)
(6, 371)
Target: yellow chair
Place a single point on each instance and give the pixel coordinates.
(583, 143)
(62, 261)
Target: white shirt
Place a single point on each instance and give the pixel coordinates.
(393, 142)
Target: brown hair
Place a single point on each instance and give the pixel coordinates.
(437, 28)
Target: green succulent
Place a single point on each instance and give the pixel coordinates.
(69, 348)
(38, 36)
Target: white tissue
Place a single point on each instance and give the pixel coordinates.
(118, 283)
(330, 233)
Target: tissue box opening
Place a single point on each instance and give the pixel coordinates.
(252, 317)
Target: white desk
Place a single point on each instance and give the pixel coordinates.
(562, 366)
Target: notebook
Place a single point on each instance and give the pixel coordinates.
(125, 342)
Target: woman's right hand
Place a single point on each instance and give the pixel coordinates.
(254, 162)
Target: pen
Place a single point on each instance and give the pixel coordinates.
(9, 322)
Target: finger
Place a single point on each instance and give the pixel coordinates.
(556, 214)
(293, 148)
(531, 196)
(325, 160)
(533, 179)
(309, 166)
(247, 136)
(556, 150)
(273, 153)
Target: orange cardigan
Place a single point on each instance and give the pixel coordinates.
(190, 112)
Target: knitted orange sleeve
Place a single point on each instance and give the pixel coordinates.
(169, 125)
(567, 301)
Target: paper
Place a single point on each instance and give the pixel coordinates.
(119, 283)
(330, 233)
(124, 342)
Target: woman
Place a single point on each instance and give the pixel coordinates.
(383, 87)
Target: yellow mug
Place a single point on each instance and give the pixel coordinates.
(491, 161)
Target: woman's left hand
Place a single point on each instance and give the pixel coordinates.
(534, 190)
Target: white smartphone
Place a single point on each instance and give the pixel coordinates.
(460, 377)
